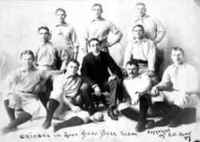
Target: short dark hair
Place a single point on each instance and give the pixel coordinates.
(29, 52)
(93, 39)
(45, 28)
(60, 9)
(99, 5)
(138, 25)
(74, 61)
(141, 3)
(176, 48)
(132, 62)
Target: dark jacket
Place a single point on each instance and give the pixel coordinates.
(95, 68)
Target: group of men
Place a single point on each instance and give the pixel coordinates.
(50, 81)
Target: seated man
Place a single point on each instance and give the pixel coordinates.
(66, 97)
(141, 50)
(137, 87)
(23, 88)
(102, 75)
(178, 88)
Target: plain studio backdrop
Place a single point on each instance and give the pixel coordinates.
(19, 20)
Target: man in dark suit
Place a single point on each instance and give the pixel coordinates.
(102, 75)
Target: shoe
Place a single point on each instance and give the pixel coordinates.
(150, 124)
(8, 129)
(140, 127)
(55, 127)
(46, 124)
(174, 123)
(162, 122)
(112, 115)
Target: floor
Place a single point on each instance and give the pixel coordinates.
(106, 131)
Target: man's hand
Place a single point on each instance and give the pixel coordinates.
(112, 77)
(75, 108)
(155, 91)
(183, 98)
(150, 73)
(135, 99)
(97, 90)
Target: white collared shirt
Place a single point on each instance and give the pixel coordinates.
(64, 36)
(100, 29)
(183, 77)
(152, 26)
(143, 50)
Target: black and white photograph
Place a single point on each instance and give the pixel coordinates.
(99, 70)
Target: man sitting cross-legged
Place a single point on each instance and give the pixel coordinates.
(22, 93)
(137, 86)
(66, 97)
(178, 89)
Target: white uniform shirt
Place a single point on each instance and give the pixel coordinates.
(183, 77)
(142, 50)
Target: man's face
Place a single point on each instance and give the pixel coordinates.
(94, 47)
(44, 35)
(97, 11)
(60, 15)
(140, 10)
(177, 57)
(138, 32)
(132, 70)
(27, 61)
(72, 68)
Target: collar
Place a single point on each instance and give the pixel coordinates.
(66, 75)
(139, 41)
(100, 19)
(47, 43)
(141, 18)
(23, 70)
(64, 24)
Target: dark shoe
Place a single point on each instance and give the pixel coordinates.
(55, 127)
(8, 129)
(174, 123)
(162, 122)
(140, 127)
(150, 124)
(46, 124)
(112, 115)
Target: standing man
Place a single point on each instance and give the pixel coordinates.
(46, 55)
(22, 93)
(100, 29)
(95, 71)
(153, 30)
(64, 37)
(47, 61)
(179, 88)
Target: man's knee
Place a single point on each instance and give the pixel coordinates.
(85, 87)
(114, 83)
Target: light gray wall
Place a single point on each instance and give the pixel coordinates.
(20, 19)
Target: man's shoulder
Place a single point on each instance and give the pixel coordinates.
(89, 56)
(170, 68)
(190, 67)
